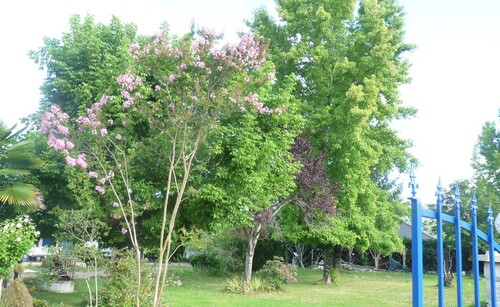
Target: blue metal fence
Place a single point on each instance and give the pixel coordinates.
(417, 213)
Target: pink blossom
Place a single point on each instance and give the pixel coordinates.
(118, 137)
(134, 48)
(70, 161)
(115, 204)
(92, 174)
(104, 131)
(80, 161)
(102, 180)
(124, 231)
(157, 88)
(115, 216)
(183, 65)
(59, 144)
(199, 64)
(111, 174)
(69, 145)
(100, 189)
(129, 81)
(219, 68)
(171, 78)
(194, 98)
(62, 129)
(110, 121)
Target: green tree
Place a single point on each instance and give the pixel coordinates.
(81, 65)
(179, 90)
(486, 163)
(16, 161)
(250, 172)
(349, 66)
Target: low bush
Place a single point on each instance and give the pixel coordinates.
(208, 263)
(237, 285)
(16, 295)
(121, 287)
(275, 274)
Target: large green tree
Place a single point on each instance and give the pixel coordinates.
(250, 171)
(84, 62)
(16, 161)
(80, 65)
(349, 65)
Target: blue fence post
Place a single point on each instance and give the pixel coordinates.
(440, 266)
(475, 251)
(417, 265)
(458, 247)
(491, 240)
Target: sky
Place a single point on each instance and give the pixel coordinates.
(454, 71)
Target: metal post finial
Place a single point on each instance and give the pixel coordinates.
(473, 206)
(413, 184)
(439, 190)
(490, 215)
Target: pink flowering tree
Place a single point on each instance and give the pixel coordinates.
(178, 91)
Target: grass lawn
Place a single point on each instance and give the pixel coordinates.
(355, 289)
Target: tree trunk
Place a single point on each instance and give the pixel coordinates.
(331, 260)
(253, 237)
(405, 250)
(1, 288)
(327, 264)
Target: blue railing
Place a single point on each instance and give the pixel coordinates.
(418, 212)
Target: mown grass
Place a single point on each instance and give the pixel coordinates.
(354, 289)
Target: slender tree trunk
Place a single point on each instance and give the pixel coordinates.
(253, 237)
(96, 285)
(405, 250)
(376, 258)
(1, 288)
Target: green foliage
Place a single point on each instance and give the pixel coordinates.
(122, 283)
(208, 263)
(237, 285)
(275, 274)
(335, 274)
(16, 161)
(17, 237)
(84, 62)
(219, 253)
(58, 265)
(16, 295)
(41, 303)
(349, 66)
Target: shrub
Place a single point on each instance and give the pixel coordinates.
(208, 263)
(16, 295)
(276, 273)
(122, 284)
(237, 285)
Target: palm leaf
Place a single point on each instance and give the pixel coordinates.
(22, 194)
(10, 171)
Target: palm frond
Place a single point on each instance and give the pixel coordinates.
(22, 195)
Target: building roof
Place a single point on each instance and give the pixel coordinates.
(404, 231)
